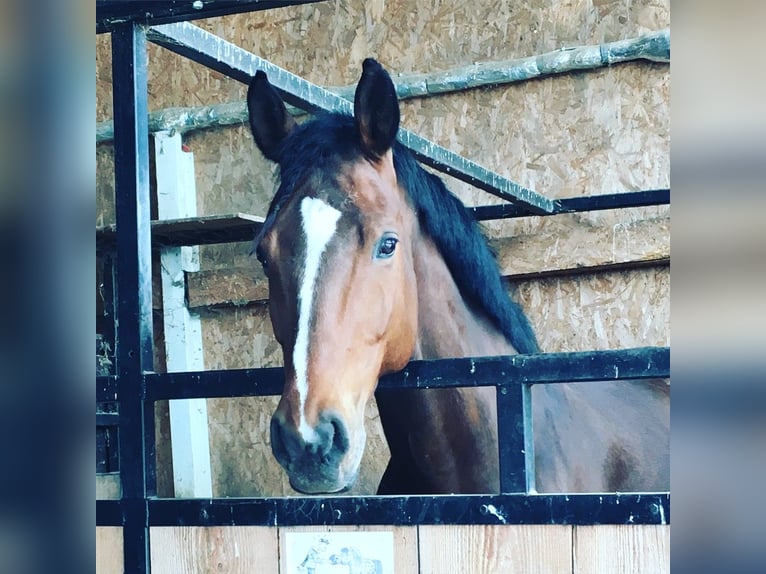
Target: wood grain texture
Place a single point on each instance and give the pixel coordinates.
(231, 549)
(234, 286)
(621, 549)
(405, 543)
(109, 550)
(526, 549)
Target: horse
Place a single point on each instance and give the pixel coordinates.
(372, 262)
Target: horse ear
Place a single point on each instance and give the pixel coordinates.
(376, 109)
(270, 121)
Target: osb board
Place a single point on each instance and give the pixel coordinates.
(599, 310)
(572, 135)
(434, 35)
(405, 543)
(526, 549)
(109, 550)
(231, 549)
(593, 132)
(630, 549)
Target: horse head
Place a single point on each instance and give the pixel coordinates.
(336, 248)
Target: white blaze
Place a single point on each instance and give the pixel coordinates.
(319, 221)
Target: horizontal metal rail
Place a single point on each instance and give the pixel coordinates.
(500, 371)
(227, 58)
(623, 200)
(576, 509)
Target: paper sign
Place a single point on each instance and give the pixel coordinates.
(339, 552)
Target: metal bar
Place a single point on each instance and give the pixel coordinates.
(211, 384)
(224, 57)
(108, 295)
(515, 439)
(106, 389)
(109, 513)
(574, 509)
(107, 419)
(501, 371)
(134, 297)
(578, 204)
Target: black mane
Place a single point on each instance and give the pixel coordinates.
(330, 139)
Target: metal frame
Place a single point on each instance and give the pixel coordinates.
(137, 387)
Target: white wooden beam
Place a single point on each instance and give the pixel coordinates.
(177, 198)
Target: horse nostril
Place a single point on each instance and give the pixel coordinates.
(278, 447)
(339, 436)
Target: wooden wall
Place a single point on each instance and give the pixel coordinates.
(527, 549)
(577, 134)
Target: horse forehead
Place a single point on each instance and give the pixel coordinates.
(370, 187)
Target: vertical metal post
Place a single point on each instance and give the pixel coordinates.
(515, 439)
(134, 288)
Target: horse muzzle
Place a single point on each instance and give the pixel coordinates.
(317, 460)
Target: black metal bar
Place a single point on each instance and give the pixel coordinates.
(150, 450)
(227, 58)
(134, 313)
(111, 13)
(215, 384)
(107, 419)
(109, 513)
(503, 371)
(577, 204)
(108, 294)
(575, 509)
(575, 367)
(106, 388)
(515, 439)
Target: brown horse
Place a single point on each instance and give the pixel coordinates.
(372, 262)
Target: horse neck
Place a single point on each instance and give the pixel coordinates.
(448, 326)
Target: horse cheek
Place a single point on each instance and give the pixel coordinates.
(401, 335)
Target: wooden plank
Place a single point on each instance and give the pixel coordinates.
(202, 230)
(639, 549)
(526, 549)
(231, 549)
(109, 550)
(544, 254)
(405, 542)
(233, 286)
(580, 248)
(177, 199)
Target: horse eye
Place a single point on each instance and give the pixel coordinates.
(386, 247)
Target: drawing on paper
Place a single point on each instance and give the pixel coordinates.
(339, 552)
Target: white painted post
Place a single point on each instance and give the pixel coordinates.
(177, 198)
